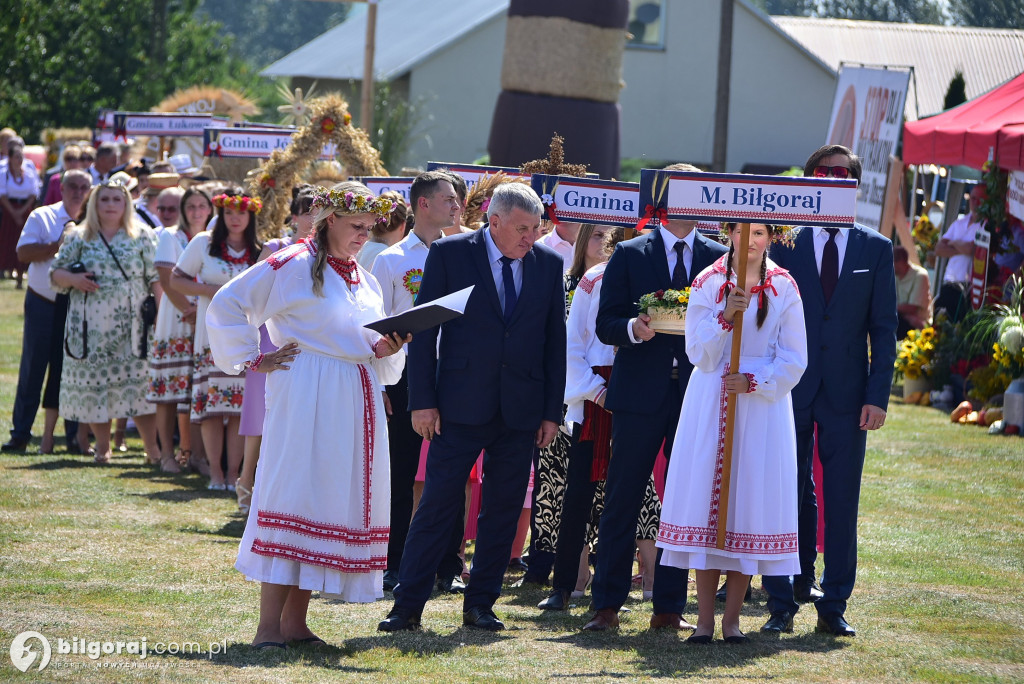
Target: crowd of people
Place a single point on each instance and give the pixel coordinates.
(358, 457)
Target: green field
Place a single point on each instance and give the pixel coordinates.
(122, 552)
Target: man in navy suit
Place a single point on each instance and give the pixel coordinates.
(494, 382)
(645, 394)
(848, 287)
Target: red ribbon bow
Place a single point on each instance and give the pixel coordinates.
(649, 213)
(756, 289)
(551, 213)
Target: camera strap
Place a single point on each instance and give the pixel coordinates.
(144, 344)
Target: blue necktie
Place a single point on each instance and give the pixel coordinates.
(509, 284)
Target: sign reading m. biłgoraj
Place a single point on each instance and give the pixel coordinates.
(746, 198)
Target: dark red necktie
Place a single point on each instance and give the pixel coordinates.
(830, 265)
(680, 277)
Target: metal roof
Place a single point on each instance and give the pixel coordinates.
(987, 57)
(423, 28)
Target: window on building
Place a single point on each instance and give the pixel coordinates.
(646, 24)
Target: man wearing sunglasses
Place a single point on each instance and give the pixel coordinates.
(848, 287)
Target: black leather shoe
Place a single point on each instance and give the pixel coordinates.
(15, 445)
(556, 600)
(698, 639)
(529, 580)
(736, 639)
(451, 585)
(482, 618)
(397, 621)
(518, 565)
(834, 623)
(720, 594)
(390, 580)
(805, 591)
(779, 622)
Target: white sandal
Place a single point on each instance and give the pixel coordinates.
(244, 495)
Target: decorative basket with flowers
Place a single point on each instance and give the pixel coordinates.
(667, 309)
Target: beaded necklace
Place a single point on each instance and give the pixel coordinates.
(346, 269)
(226, 256)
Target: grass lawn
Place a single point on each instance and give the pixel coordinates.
(121, 553)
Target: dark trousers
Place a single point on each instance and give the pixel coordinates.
(404, 446)
(841, 446)
(636, 438)
(449, 461)
(577, 505)
(42, 348)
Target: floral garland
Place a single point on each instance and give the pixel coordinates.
(329, 122)
(238, 203)
(353, 203)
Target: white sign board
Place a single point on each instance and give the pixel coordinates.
(867, 117)
(252, 143)
(133, 124)
(1015, 194)
(584, 200)
(381, 184)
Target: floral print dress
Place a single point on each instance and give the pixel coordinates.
(214, 393)
(170, 354)
(104, 376)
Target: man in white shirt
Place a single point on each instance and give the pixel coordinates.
(562, 239)
(103, 165)
(45, 314)
(399, 270)
(957, 245)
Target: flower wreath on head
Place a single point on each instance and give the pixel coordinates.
(780, 235)
(238, 203)
(353, 203)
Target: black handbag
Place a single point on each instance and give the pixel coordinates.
(147, 311)
(79, 267)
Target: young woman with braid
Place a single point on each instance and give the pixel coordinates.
(761, 524)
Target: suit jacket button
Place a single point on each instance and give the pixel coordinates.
(826, 317)
(507, 333)
(824, 347)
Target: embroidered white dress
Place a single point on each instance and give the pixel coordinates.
(214, 393)
(761, 523)
(320, 509)
(170, 352)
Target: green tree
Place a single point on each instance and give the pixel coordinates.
(264, 31)
(988, 13)
(957, 92)
(61, 60)
(900, 11)
(792, 8)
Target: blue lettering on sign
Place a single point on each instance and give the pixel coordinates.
(573, 198)
(770, 201)
(710, 197)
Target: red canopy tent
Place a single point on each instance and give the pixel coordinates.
(963, 135)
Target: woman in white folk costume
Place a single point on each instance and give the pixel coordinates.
(210, 260)
(761, 529)
(170, 353)
(319, 518)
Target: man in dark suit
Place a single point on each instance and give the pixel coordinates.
(645, 394)
(495, 384)
(848, 288)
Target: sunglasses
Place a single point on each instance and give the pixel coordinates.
(167, 208)
(834, 171)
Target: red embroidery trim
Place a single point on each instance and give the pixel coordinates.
(726, 325)
(737, 542)
(282, 257)
(327, 560)
(751, 382)
(348, 270)
(315, 528)
(717, 267)
(255, 363)
(716, 480)
(369, 425)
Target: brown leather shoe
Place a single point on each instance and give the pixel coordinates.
(669, 620)
(603, 620)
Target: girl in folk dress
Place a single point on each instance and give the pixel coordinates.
(761, 532)
(211, 259)
(319, 517)
(170, 355)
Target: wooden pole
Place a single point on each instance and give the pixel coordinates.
(740, 256)
(721, 140)
(366, 113)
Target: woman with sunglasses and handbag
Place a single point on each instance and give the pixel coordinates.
(106, 266)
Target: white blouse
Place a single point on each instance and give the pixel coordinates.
(583, 349)
(279, 293)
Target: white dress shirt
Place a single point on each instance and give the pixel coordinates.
(821, 237)
(399, 270)
(43, 226)
(583, 349)
(670, 241)
(959, 267)
(494, 259)
(564, 248)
